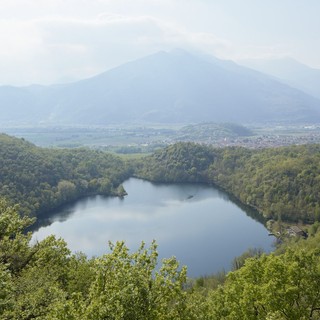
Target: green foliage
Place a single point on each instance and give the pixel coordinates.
(125, 288)
(238, 262)
(14, 245)
(210, 282)
(46, 281)
(6, 289)
(282, 183)
(181, 162)
(271, 287)
(209, 131)
(42, 179)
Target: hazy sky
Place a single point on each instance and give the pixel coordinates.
(48, 41)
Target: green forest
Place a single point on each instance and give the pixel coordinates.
(45, 280)
(281, 183)
(40, 179)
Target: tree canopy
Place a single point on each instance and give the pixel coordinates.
(279, 182)
(44, 280)
(41, 179)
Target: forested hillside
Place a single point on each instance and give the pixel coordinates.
(42, 179)
(281, 182)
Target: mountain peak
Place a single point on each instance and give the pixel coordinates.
(175, 86)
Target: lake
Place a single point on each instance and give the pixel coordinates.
(198, 224)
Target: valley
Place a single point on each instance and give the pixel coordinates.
(146, 138)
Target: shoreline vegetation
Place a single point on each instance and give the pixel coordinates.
(46, 281)
(280, 184)
(42, 179)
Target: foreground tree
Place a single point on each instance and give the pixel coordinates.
(127, 286)
(46, 281)
(15, 252)
(272, 287)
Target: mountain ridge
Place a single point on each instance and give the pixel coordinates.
(289, 71)
(170, 87)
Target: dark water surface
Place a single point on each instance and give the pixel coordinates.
(196, 223)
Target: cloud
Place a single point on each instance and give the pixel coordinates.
(67, 48)
(60, 40)
(16, 37)
(61, 48)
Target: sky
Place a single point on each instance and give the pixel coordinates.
(57, 41)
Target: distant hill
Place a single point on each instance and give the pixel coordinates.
(212, 131)
(175, 87)
(291, 72)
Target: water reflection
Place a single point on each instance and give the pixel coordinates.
(198, 224)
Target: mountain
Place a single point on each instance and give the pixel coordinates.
(289, 71)
(164, 87)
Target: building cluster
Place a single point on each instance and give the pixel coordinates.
(268, 141)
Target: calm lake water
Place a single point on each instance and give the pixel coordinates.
(198, 224)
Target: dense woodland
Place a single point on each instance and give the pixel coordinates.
(42, 179)
(281, 183)
(45, 280)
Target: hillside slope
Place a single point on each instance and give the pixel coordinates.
(41, 179)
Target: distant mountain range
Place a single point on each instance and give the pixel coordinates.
(289, 71)
(170, 87)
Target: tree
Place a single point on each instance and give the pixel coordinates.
(15, 252)
(66, 190)
(127, 286)
(272, 287)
